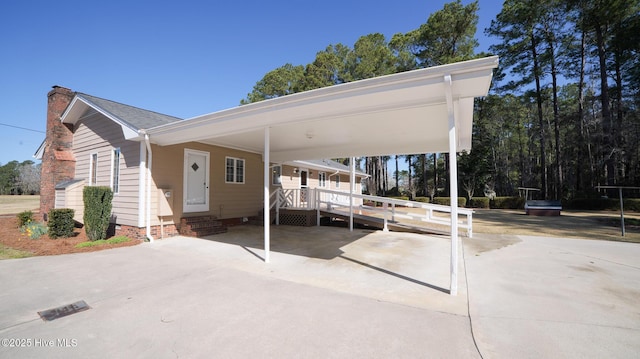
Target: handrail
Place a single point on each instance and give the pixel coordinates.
(271, 202)
(331, 200)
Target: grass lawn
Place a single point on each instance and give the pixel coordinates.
(17, 204)
(101, 242)
(10, 253)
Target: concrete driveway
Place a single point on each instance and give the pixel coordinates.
(327, 293)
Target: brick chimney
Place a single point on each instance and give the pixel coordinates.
(58, 162)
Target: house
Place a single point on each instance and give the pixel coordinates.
(167, 171)
(92, 141)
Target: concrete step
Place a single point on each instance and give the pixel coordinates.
(200, 226)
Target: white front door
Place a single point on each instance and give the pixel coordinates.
(196, 181)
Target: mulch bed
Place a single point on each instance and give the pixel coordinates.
(10, 236)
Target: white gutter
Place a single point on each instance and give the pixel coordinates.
(149, 162)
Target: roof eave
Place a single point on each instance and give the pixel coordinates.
(227, 116)
(79, 105)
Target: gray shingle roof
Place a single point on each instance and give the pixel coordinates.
(134, 117)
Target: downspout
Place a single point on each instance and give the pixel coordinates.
(331, 175)
(149, 164)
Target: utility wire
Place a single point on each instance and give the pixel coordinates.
(22, 128)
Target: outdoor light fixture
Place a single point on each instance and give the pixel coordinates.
(295, 170)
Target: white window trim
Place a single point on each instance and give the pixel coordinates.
(322, 179)
(272, 175)
(235, 170)
(93, 167)
(111, 184)
(300, 170)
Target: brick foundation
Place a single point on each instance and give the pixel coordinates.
(140, 233)
(171, 230)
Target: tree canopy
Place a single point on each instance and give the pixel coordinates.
(562, 114)
(20, 178)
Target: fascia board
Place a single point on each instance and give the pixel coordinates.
(225, 124)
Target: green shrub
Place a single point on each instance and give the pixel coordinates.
(61, 222)
(632, 204)
(97, 211)
(478, 202)
(34, 230)
(445, 201)
(591, 204)
(24, 218)
(507, 203)
(423, 199)
(402, 198)
(600, 204)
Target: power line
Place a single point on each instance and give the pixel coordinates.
(22, 128)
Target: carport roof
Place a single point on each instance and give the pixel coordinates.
(403, 113)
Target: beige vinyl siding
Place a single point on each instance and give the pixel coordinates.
(60, 200)
(226, 200)
(288, 179)
(71, 197)
(291, 180)
(98, 134)
(233, 200)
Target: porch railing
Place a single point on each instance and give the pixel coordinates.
(389, 209)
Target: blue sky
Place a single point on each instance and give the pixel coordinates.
(182, 58)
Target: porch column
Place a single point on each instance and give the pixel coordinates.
(267, 210)
(352, 185)
(453, 185)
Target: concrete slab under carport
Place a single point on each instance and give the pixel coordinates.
(404, 268)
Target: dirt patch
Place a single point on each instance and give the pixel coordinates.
(603, 225)
(10, 236)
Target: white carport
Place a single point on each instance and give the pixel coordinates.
(422, 111)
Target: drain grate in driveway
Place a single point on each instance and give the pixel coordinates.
(59, 312)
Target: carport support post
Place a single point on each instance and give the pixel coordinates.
(267, 209)
(352, 185)
(453, 185)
